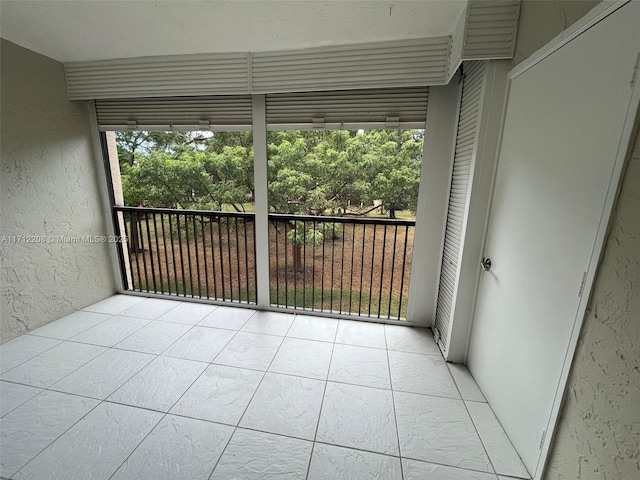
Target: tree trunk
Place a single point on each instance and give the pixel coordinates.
(134, 228)
(297, 258)
(392, 212)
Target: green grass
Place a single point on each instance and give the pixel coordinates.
(329, 300)
(303, 298)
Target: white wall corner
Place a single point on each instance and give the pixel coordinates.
(435, 178)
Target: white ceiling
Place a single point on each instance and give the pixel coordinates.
(84, 30)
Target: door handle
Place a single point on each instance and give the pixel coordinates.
(486, 264)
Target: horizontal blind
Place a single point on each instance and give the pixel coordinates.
(220, 112)
(375, 65)
(382, 108)
(462, 162)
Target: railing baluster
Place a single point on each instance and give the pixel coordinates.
(353, 256)
(304, 265)
(286, 265)
(404, 260)
(275, 239)
(166, 257)
(173, 256)
(227, 226)
(132, 250)
(213, 258)
(158, 259)
(295, 259)
(324, 240)
(153, 269)
(373, 257)
(384, 253)
(224, 296)
(393, 267)
(333, 257)
(179, 232)
(238, 260)
(144, 257)
(186, 230)
(341, 272)
(204, 256)
(246, 257)
(364, 235)
(195, 246)
(313, 268)
(255, 263)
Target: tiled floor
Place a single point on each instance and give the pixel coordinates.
(133, 388)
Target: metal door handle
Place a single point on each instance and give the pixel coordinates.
(486, 264)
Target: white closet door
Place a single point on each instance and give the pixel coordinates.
(562, 131)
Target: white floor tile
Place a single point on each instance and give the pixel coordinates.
(259, 456)
(104, 374)
(465, 382)
(314, 328)
(95, 446)
(360, 366)
(200, 344)
(188, 313)
(115, 304)
(71, 325)
(160, 384)
(232, 318)
(415, 470)
(305, 358)
(151, 308)
(358, 417)
(19, 350)
(111, 331)
(30, 428)
(416, 373)
(504, 457)
(53, 365)
(411, 339)
(12, 395)
(285, 405)
(249, 350)
(177, 448)
(221, 394)
(363, 334)
(329, 462)
(438, 430)
(155, 337)
(269, 323)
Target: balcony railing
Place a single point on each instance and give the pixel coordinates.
(190, 253)
(340, 265)
(344, 265)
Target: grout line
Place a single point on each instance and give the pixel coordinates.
(474, 426)
(59, 436)
(174, 404)
(34, 333)
(324, 393)
(101, 401)
(393, 403)
(252, 397)
(44, 351)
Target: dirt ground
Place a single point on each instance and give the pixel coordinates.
(364, 269)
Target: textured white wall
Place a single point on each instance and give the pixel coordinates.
(598, 435)
(599, 430)
(48, 187)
